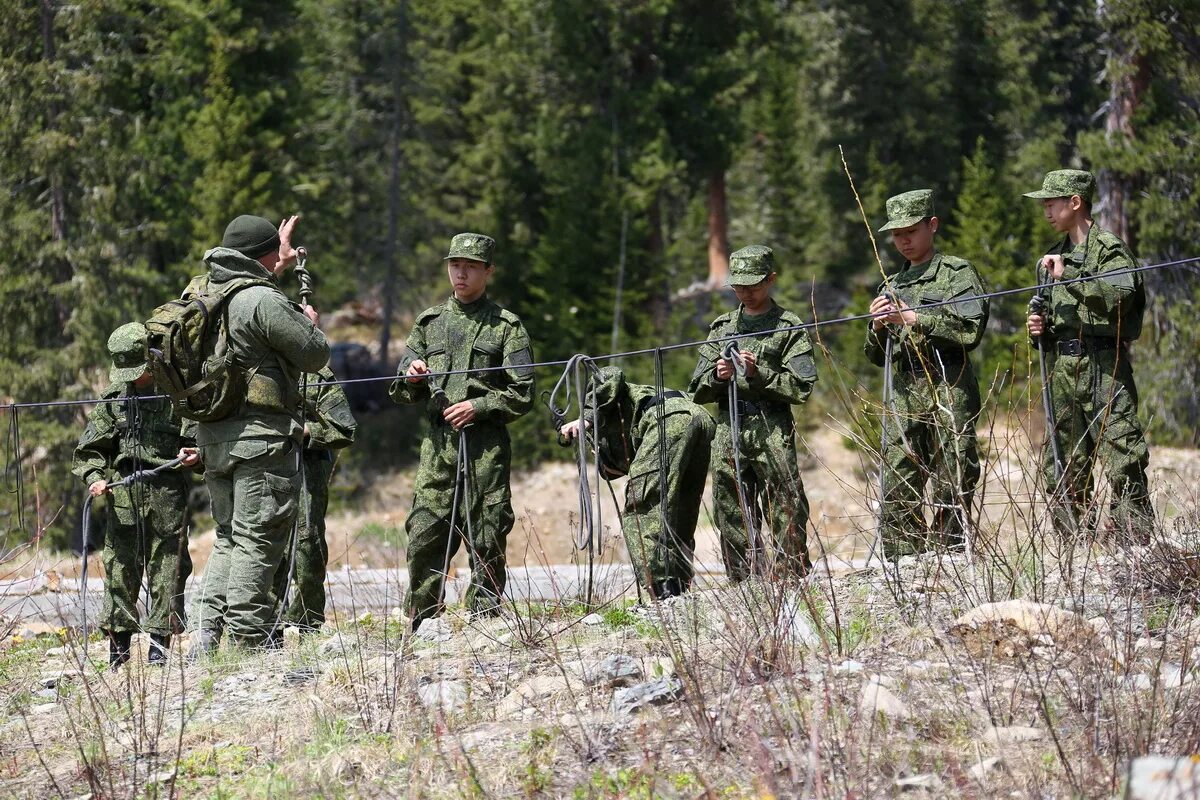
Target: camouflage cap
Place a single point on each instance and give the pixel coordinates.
(908, 209)
(1064, 183)
(750, 265)
(127, 345)
(607, 385)
(473, 246)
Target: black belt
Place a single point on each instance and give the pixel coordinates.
(655, 399)
(1086, 344)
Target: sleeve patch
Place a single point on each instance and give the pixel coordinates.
(803, 367)
(521, 359)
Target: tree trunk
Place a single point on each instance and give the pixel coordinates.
(718, 231)
(1130, 78)
(58, 200)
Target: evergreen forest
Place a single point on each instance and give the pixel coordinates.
(617, 151)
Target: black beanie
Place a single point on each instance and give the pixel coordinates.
(251, 236)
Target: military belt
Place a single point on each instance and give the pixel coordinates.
(1086, 344)
(656, 399)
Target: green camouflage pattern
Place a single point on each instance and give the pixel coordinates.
(329, 427)
(907, 209)
(627, 430)
(1094, 395)
(786, 374)
(127, 346)
(931, 434)
(251, 459)
(450, 337)
(1064, 183)
(473, 246)
(750, 265)
(1110, 307)
(146, 531)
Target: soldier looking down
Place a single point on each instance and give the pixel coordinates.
(1086, 329)
(931, 426)
(147, 521)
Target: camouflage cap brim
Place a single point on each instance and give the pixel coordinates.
(126, 374)
(1042, 194)
(744, 279)
(895, 224)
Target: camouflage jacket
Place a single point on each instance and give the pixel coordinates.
(274, 342)
(623, 424)
(951, 331)
(121, 436)
(455, 336)
(786, 369)
(1107, 307)
(327, 416)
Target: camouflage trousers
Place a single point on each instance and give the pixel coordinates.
(157, 547)
(255, 489)
(774, 491)
(661, 549)
(931, 438)
(1095, 408)
(483, 519)
(306, 604)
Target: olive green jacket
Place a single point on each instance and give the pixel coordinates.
(274, 342)
(1109, 307)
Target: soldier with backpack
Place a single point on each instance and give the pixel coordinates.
(247, 403)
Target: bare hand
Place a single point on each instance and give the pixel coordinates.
(1054, 266)
(724, 369)
(98, 488)
(892, 313)
(1036, 325)
(460, 415)
(190, 456)
(312, 314)
(417, 371)
(287, 253)
(571, 429)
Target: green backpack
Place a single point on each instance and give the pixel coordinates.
(189, 354)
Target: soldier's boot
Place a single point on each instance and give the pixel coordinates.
(119, 645)
(206, 642)
(160, 648)
(665, 589)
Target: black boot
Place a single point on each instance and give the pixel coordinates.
(160, 648)
(118, 648)
(663, 590)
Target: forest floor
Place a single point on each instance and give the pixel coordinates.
(1028, 668)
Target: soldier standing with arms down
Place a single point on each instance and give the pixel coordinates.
(467, 332)
(147, 521)
(931, 426)
(252, 458)
(1086, 328)
(779, 372)
(628, 436)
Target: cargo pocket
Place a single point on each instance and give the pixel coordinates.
(280, 498)
(485, 354)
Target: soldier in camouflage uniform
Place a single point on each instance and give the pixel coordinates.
(252, 458)
(1086, 329)
(147, 522)
(779, 372)
(329, 426)
(935, 398)
(467, 332)
(627, 434)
